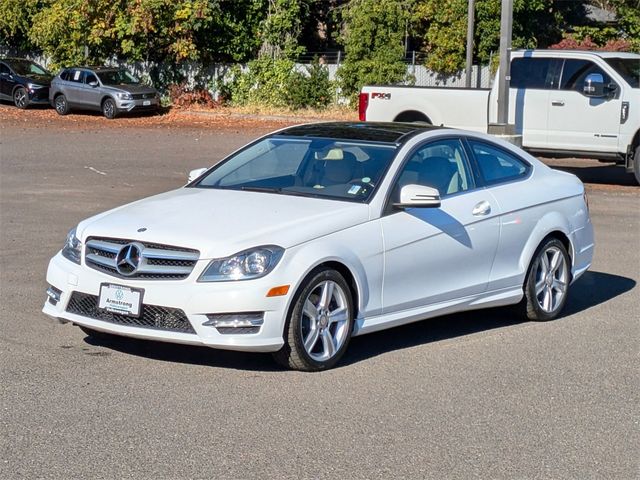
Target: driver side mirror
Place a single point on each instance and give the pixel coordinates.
(594, 86)
(193, 174)
(418, 196)
(93, 84)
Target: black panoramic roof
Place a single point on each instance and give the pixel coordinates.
(391, 132)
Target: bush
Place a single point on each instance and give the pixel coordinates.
(277, 83)
(184, 97)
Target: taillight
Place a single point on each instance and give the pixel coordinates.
(363, 103)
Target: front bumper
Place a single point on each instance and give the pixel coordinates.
(38, 96)
(195, 299)
(145, 104)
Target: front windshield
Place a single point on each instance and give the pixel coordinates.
(628, 68)
(117, 77)
(27, 68)
(313, 167)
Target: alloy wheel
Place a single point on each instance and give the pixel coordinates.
(552, 276)
(20, 98)
(325, 321)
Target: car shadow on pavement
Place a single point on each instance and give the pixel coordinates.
(592, 289)
(603, 174)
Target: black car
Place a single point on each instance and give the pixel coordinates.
(24, 82)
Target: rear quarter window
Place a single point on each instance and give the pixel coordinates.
(497, 165)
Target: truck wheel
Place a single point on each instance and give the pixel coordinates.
(636, 164)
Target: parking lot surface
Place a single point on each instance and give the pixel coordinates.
(478, 395)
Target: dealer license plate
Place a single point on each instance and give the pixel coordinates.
(146, 103)
(120, 299)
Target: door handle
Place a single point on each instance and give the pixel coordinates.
(557, 103)
(481, 209)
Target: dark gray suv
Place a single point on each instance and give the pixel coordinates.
(109, 90)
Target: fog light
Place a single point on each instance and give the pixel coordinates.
(234, 320)
(54, 295)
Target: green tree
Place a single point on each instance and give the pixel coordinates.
(536, 24)
(373, 38)
(144, 29)
(15, 22)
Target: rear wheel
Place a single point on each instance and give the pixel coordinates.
(20, 98)
(61, 105)
(547, 283)
(636, 164)
(319, 328)
(109, 108)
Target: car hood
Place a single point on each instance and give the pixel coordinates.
(220, 223)
(39, 79)
(131, 88)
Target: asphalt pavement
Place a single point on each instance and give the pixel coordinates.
(479, 395)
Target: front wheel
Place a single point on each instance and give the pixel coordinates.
(319, 328)
(109, 108)
(547, 283)
(61, 105)
(20, 98)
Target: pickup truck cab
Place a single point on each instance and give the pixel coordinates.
(562, 102)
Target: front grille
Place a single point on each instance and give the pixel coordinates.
(140, 96)
(156, 262)
(151, 316)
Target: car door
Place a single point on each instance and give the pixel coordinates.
(7, 82)
(73, 87)
(90, 95)
(579, 122)
(434, 255)
(504, 175)
(531, 80)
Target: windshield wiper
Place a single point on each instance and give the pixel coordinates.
(261, 189)
(277, 190)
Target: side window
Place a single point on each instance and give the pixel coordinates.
(76, 76)
(4, 69)
(441, 164)
(497, 165)
(575, 71)
(530, 72)
(90, 77)
(64, 75)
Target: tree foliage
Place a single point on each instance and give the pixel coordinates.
(373, 38)
(536, 24)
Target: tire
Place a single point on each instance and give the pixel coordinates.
(96, 334)
(318, 330)
(109, 108)
(636, 164)
(20, 98)
(61, 105)
(547, 282)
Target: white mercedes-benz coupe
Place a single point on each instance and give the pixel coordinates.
(316, 233)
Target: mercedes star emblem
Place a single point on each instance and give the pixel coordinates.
(128, 259)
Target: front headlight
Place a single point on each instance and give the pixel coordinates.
(124, 96)
(72, 249)
(249, 264)
(34, 86)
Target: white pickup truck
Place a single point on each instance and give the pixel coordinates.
(563, 103)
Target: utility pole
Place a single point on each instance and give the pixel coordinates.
(502, 127)
(470, 29)
(506, 25)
